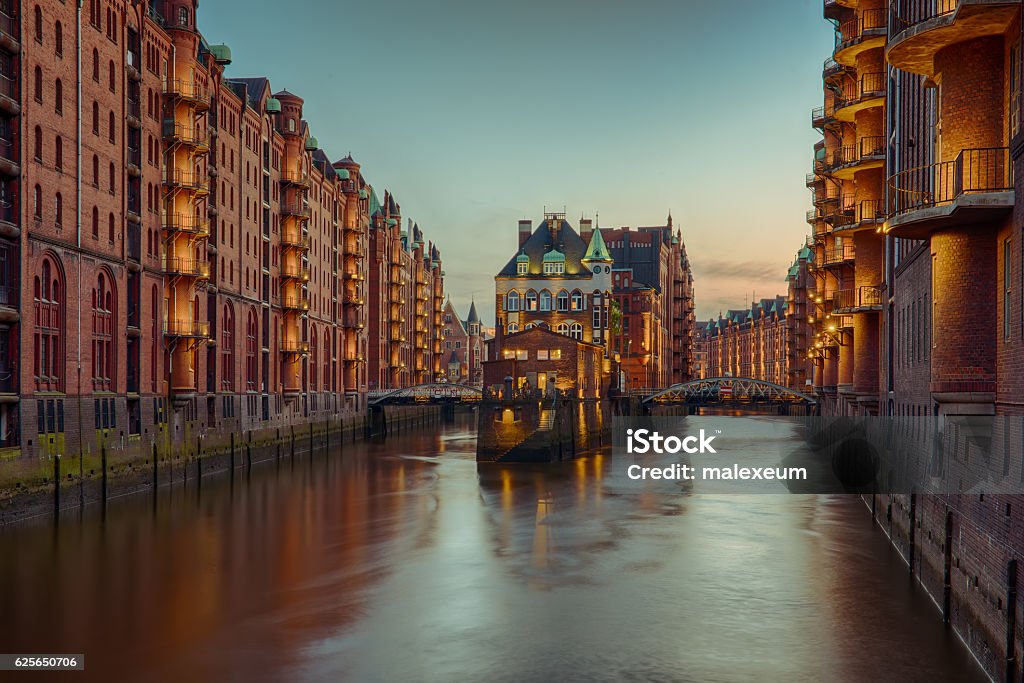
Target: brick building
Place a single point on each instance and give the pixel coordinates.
(628, 290)
(919, 297)
(204, 264)
(653, 287)
(540, 360)
(750, 342)
(464, 346)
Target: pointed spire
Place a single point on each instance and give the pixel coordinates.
(473, 317)
(597, 251)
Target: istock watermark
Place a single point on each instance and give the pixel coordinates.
(644, 441)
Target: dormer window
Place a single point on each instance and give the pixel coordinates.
(522, 267)
(555, 268)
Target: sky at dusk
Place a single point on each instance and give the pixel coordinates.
(478, 114)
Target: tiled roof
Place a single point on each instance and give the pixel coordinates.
(568, 242)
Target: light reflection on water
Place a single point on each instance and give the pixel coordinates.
(403, 561)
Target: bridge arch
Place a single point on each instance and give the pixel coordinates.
(727, 391)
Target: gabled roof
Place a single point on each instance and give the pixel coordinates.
(569, 243)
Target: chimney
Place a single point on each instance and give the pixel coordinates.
(586, 229)
(525, 230)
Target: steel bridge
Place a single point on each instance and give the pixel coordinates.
(728, 392)
(435, 392)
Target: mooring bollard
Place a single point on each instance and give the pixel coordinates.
(103, 476)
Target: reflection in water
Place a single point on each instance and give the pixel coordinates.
(403, 561)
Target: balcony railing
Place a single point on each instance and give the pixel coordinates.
(190, 267)
(180, 222)
(295, 347)
(295, 303)
(187, 328)
(871, 211)
(9, 27)
(867, 24)
(974, 171)
(9, 296)
(295, 209)
(859, 298)
(904, 14)
(871, 85)
(190, 180)
(295, 241)
(295, 272)
(188, 90)
(8, 87)
(294, 178)
(838, 255)
(192, 136)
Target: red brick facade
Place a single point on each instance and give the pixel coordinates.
(215, 275)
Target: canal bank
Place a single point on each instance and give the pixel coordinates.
(28, 487)
(963, 551)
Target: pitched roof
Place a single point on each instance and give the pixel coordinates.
(564, 239)
(473, 317)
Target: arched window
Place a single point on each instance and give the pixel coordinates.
(312, 359)
(112, 127)
(58, 153)
(110, 229)
(37, 144)
(563, 300)
(58, 96)
(112, 174)
(95, 223)
(94, 12)
(513, 328)
(228, 349)
(95, 118)
(512, 304)
(576, 331)
(58, 208)
(37, 84)
(578, 302)
(103, 334)
(563, 328)
(58, 39)
(531, 300)
(113, 77)
(545, 300)
(96, 65)
(38, 23)
(328, 376)
(37, 202)
(95, 171)
(154, 303)
(250, 352)
(182, 16)
(48, 334)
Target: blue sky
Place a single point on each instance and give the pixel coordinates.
(478, 114)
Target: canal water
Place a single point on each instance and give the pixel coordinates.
(401, 561)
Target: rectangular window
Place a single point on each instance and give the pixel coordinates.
(542, 354)
(555, 354)
(1007, 267)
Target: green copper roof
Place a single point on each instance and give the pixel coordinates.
(342, 173)
(522, 258)
(221, 53)
(374, 202)
(597, 251)
(362, 194)
(312, 143)
(551, 257)
(273, 105)
(392, 223)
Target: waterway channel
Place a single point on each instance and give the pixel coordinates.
(404, 561)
